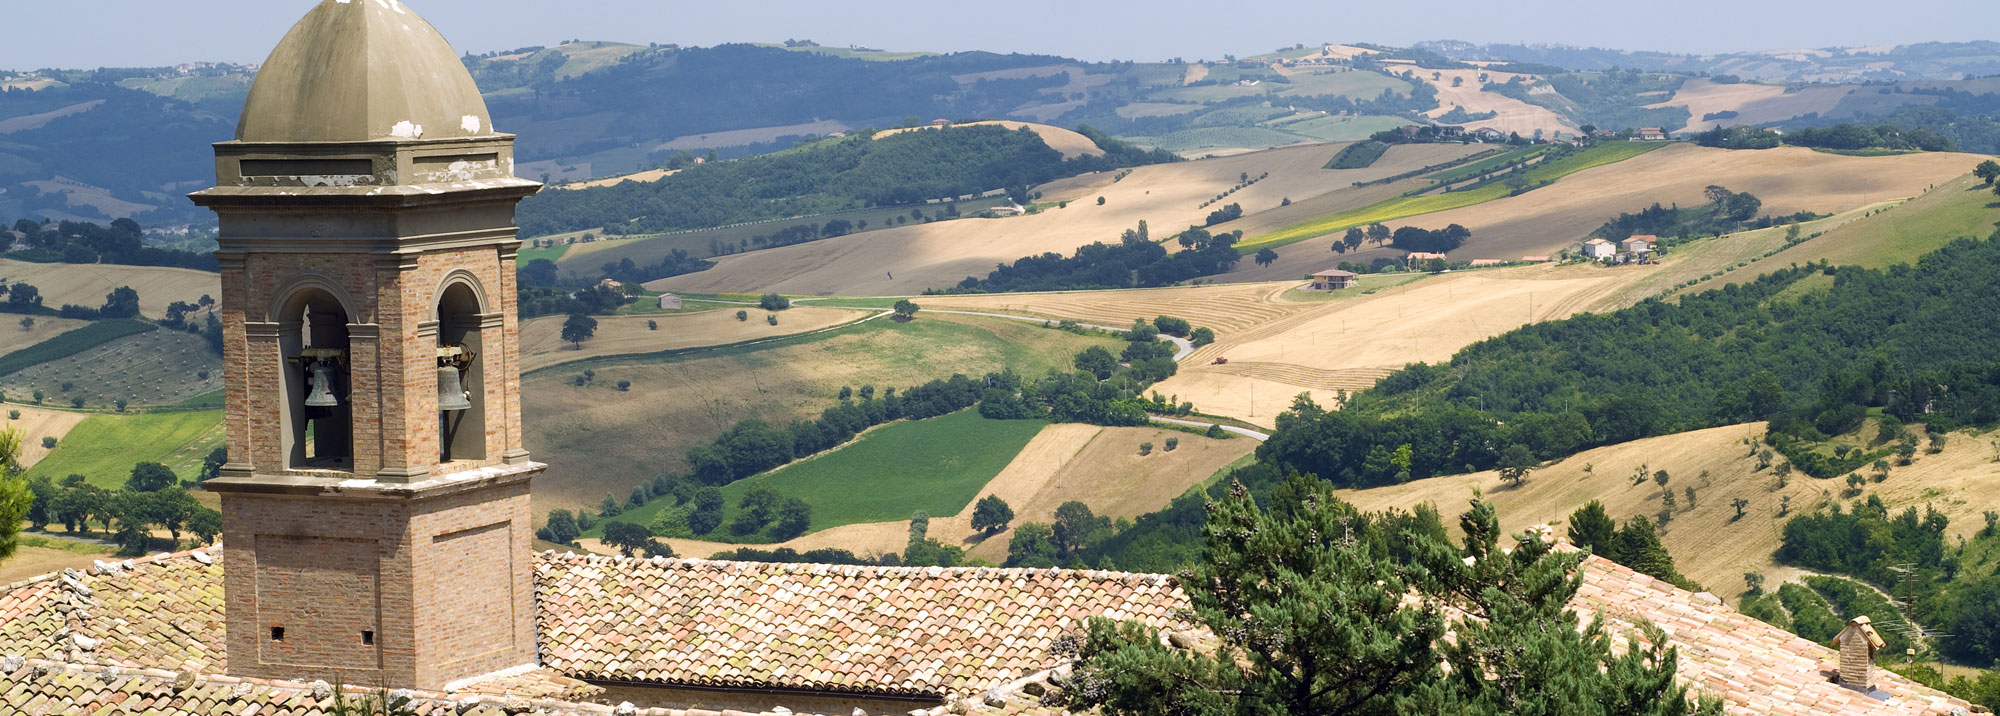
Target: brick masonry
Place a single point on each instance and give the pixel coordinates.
(387, 569)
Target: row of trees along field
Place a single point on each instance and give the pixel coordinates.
(1844, 136)
(82, 242)
(825, 177)
(1136, 261)
(151, 497)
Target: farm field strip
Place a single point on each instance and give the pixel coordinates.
(1403, 207)
(597, 438)
(103, 448)
(542, 345)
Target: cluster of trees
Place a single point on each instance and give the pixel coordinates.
(1061, 542)
(1870, 542)
(677, 262)
(82, 242)
(152, 497)
(1636, 545)
(1311, 604)
(1134, 262)
(1726, 211)
(1228, 213)
(1844, 136)
(824, 177)
(1410, 238)
(1857, 136)
(592, 300)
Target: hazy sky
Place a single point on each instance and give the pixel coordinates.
(94, 33)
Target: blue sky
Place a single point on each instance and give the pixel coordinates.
(94, 33)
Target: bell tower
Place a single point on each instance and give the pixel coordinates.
(375, 503)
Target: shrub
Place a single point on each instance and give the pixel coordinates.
(1145, 448)
(76, 402)
(49, 442)
(1173, 444)
(624, 386)
(771, 319)
(743, 315)
(1216, 431)
(773, 302)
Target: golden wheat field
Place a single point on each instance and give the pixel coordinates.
(1561, 215)
(1169, 197)
(1513, 115)
(1351, 343)
(87, 284)
(1714, 547)
(542, 344)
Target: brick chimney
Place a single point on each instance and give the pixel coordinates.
(1858, 644)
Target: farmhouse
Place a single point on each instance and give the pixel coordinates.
(1488, 134)
(1537, 259)
(1599, 249)
(1639, 244)
(1333, 280)
(670, 302)
(1416, 256)
(1482, 263)
(371, 543)
(1650, 134)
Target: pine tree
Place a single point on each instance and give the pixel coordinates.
(1310, 614)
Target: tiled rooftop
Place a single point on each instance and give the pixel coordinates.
(895, 630)
(1754, 667)
(145, 636)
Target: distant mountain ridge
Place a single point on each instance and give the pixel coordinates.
(1920, 61)
(99, 144)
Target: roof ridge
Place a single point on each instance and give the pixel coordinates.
(184, 679)
(687, 563)
(102, 568)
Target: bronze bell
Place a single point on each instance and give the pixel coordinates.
(322, 386)
(451, 391)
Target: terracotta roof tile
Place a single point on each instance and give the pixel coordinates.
(891, 630)
(130, 636)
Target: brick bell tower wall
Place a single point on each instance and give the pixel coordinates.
(376, 519)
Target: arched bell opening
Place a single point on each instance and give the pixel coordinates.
(461, 377)
(318, 414)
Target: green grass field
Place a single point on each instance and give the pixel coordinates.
(105, 447)
(1357, 84)
(1902, 233)
(1458, 174)
(1408, 206)
(936, 465)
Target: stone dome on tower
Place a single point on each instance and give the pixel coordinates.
(363, 70)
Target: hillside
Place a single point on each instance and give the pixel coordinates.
(896, 169)
(909, 259)
(1069, 143)
(1559, 216)
(600, 440)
